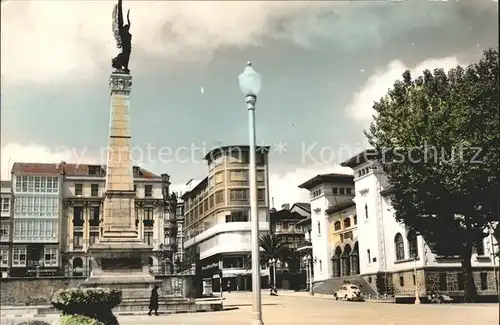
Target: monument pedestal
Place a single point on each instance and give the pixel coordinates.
(120, 258)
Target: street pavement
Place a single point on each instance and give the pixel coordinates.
(296, 308)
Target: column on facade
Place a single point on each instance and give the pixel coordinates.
(140, 226)
(336, 266)
(86, 229)
(70, 225)
(354, 262)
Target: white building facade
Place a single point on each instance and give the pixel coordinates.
(322, 197)
(387, 249)
(6, 228)
(36, 219)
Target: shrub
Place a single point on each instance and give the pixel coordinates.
(78, 320)
(94, 303)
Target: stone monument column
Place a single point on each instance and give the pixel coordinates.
(120, 257)
(119, 206)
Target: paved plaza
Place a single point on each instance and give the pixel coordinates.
(301, 309)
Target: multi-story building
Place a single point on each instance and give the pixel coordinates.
(326, 191)
(83, 198)
(217, 225)
(389, 251)
(36, 219)
(5, 227)
(283, 224)
(179, 217)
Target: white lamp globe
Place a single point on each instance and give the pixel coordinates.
(250, 81)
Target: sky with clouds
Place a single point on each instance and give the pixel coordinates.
(322, 63)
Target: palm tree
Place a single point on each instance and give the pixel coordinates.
(271, 246)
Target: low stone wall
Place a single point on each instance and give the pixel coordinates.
(39, 291)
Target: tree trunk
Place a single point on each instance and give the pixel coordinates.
(470, 293)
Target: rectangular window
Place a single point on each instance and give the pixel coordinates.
(148, 190)
(50, 256)
(4, 231)
(78, 189)
(401, 281)
(341, 191)
(94, 189)
(78, 216)
(219, 177)
(211, 182)
(94, 237)
(5, 205)
(484, 280)
(19, 256)
(77, 240)
(279, 226)
(261, 194)
(259, 159)
(239, 195)
(4, 254)
(335, 190)
(348, 191)
(211, 201)
(219, 196)
(237, 216)
(148, 237)
(260, 176)
(443, 285)
(239, 175)
(148, 213)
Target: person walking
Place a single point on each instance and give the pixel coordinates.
(153, 301)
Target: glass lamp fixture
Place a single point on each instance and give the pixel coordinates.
(250, 81)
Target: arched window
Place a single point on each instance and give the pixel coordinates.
(368, 253)
(412, 244)
(347, 222)
(366, 211)
(400, 247)
(337, 225)
(150, 261)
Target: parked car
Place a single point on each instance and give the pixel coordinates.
(348, 292)
(439, 298)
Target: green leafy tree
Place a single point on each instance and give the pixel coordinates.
(437, 139)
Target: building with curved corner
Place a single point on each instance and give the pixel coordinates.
(217, 228)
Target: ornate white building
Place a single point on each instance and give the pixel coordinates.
(387, 248)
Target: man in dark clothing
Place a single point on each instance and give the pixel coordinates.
(153, 301)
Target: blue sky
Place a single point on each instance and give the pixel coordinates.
(323, 64)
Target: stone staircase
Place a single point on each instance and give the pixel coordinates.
(329, 286)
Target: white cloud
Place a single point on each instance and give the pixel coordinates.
(284, 187)
(45, 41)
(377, 85)
(13, 152)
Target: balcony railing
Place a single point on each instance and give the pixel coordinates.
(301, 245)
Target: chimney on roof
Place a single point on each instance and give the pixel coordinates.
(285, 206)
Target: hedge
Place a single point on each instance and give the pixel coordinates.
(95, 304)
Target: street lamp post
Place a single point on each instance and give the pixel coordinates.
(250, 83)
(417, 299)
(272, 262)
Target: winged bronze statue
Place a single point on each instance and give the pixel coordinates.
(123, 39)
